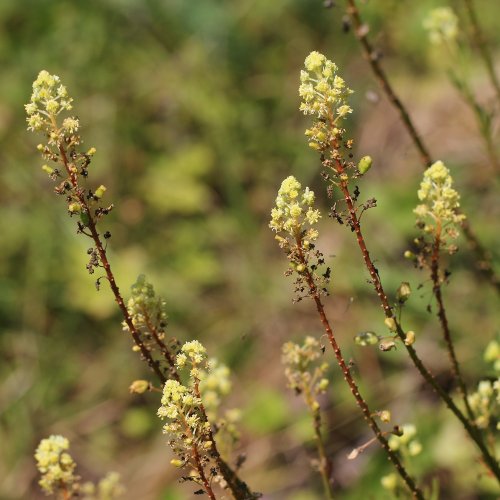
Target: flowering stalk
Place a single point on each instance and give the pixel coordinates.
(48, 100)
(326, 136)
(438, 217)
(290, 219)
(483, 264)
(143, 316)
(310, 381)
(58, 478)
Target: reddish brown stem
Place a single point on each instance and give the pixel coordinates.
(426, 374)
(161, 345)
(367, 414)
(239, 488)
(443, 319)
(197, 460)
(154, 365)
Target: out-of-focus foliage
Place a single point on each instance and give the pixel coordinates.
(193, 109)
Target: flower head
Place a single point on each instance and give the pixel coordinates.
(294, 209)
(48, 99)
(440, 202)
(442, 25)
(324, 95)
(55, 464)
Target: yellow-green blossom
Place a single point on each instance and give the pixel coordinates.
(55, 464)
(294, 210)
(442, 25)
(440, 202)
(108, 488)
(485, 403)
(305, 375)
(48, 99)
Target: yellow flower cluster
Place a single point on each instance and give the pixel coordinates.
(144, 306)
(324, 95)
(294, 210)
(440, 202)
(442, 25)
(48, 99)
(55, 464)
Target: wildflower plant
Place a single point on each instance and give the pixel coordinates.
(144, 316)
(339, 170)
(307, 377)
(483, 265)
(294, 220)
(292, 226)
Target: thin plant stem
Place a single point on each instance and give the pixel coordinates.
(443, 319)
(482, 265)
(388, 312)
(480, 42)
(393, 457)
(325, 464)
(161, 345)
(238, 488)
(371, 55)
(91, 225)
(197, 460)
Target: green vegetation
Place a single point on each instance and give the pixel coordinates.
(193, 110)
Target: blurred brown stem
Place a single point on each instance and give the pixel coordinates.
(479, 40)
(483, 264)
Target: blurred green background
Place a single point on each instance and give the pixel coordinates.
(193, 109)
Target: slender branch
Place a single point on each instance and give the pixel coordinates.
(197, 460)
(443, 319)
(161, 345)
(483, 264)
(482, 46)
(325, 464)
(239, 488)
(153, 364)
(426, 374)
(393, 457)
(373, 58)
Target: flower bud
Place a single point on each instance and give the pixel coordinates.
(385, 416)
(47, 169)
(390, 323)
(74, 208)
(176, 462)
(404, 292)
(139, 386)
(364, 164)
(99, 192)
(410, 337)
